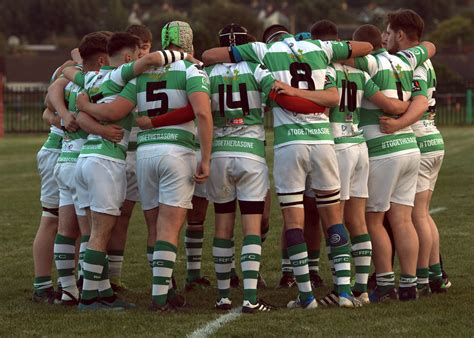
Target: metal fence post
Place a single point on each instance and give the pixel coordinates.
(469, 106)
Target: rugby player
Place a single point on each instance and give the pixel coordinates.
(404, 31)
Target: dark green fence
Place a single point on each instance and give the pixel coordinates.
(24, 107)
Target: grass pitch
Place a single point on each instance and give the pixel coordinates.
(439, 315)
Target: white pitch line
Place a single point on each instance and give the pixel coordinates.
(436, 210)
(216, 324)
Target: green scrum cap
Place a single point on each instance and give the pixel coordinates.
(178, 33)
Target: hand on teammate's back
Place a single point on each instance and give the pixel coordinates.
(388, 125)
(283, 88)
(70, 123)
(144, 122)
(113, 133)
(82, 100)
(192, 59)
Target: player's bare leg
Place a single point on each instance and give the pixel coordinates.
(420, 217)
(312, 235)
(116, 245)
(193, 243)
(151, 217)
(406, 242)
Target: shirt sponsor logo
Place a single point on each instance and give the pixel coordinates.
(304, 132)
(234, 143)
(396, 143)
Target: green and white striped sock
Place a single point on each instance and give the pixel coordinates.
(93, 268)
(422, 275)
(105, 289)
(193, 247)
(222, 253)
(313, 260)
(285, 262)
(362, 254)
(341, 257)
(164, 258)
(82, 250)
(42, 283)
(435, 272)
(385, 280)
(250, 263)
(407, 281)
(64, 257)
(299, 262)
(115, 263)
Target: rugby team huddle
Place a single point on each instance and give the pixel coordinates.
(356, 158)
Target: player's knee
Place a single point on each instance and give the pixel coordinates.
(225, 208)
(324, 199)
(291, 200)
(50, 212)
(251, 207)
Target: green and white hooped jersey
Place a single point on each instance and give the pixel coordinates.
(238, 91)
(54, 142)
(353, 85)
(161, 90)
(393, 74)
(302, 64)
(72, 142)
(427, 135)
(108, 84)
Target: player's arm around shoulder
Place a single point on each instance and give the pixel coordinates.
(198, 91)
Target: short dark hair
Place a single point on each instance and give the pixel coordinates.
(121, 40)
(143, 33)
(91, 45)
(369, 33)
(407, 21)
(324, 30)
(271, 30)
(233, 35)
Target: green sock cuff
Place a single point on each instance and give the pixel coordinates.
(296, 249)
(222, 243)
(406, 276)
(313, 254)
(165, 246)
(85, 238)
(340, 250)
(198, 234)
(284, 254)
(422, 272)
(149, 249)
(94, 257)
(115, 252)
(360, 239)
(42, 279)
(252, 239)
(60, 239)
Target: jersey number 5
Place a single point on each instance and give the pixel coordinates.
(151, 96)
(225, 94)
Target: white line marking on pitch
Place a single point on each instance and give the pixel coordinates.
(436, 210)
(216, 324)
